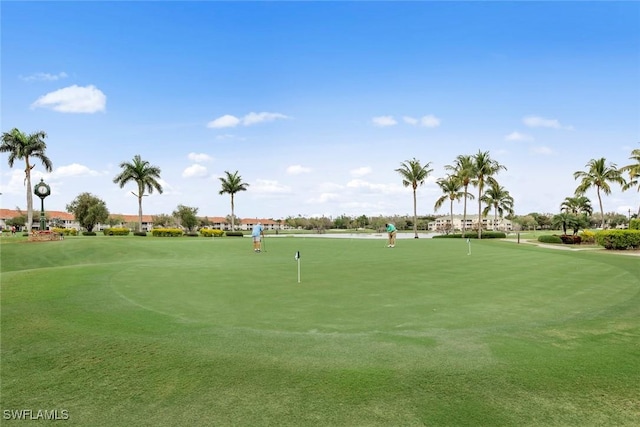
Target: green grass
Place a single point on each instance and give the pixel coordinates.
(194, 331)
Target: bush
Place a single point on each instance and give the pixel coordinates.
(569, 239)
(619, 239)
(211, 232)
(191, 234)
(234, 234)
(116, 231)
(588, 237)
(550, 238)
(474, 235)
(140, 233)
(88, 233)
(166, 232)
(634, 224)
(65, 231)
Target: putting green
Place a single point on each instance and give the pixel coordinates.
(407, 289)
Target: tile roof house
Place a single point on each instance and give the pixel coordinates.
(68, 221)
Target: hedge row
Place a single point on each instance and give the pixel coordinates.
(619, 239)
(473, 235)
(234, 234)
(208, 232)
(166, 232)
(116, 231)
(549, 238)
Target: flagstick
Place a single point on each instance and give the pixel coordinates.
(469, 242)
(298, 270)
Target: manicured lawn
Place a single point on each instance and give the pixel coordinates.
(192, 331)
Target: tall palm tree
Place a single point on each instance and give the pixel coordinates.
(634, 173)
(598, 174)
(463, 170)
(499, 199)
(413, 175)
(142, 173)
(21, 146)
(577, 205)
(231, 184)
(450, 186)
(484, 168)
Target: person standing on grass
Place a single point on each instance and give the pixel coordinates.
(391, 229)
(257, 233)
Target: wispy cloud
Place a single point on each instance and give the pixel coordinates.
(362, 171)
(266, 186)
(43, 77)
(230, 121)
(384, 121)
(73, 99)
(517, 136)
(541, 122)
(297, 170)
(430, 121)
(199, 157)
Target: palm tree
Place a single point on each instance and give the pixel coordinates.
(484, 167)
(413, 175)
(634, 173)
(463, 170)
(142, 173)
(21, 146)
(231, 184)
(499, 199)
(450, 186)
(577, 205)
(598, 175)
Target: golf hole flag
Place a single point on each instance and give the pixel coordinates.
(297, 258)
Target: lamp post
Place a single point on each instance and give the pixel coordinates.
(42, 190)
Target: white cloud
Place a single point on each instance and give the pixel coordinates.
(360, 184)
(384, 121)
(199, 157)
(297, 169)
(254, 118)
(43, 77)
(226, 121)
(541, 150)
(195, 171)
(74, 169)
(362, 171)
(323, 198)
(517, 136)
(430, 121)
(229, 121)
(410, 120)
(73, 99)
(541, 122)
(265, 186)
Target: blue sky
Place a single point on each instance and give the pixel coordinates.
(317, 103)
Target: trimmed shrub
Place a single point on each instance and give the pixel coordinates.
(166, 232)
(234, 234)
(549, 238)
(140, 233)
(191, 234)
(116, 231)
(88, 233)
(619, 239)
(588, 237)
(65, 231)
(569, 239)
(211, 232)
(634, 224)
